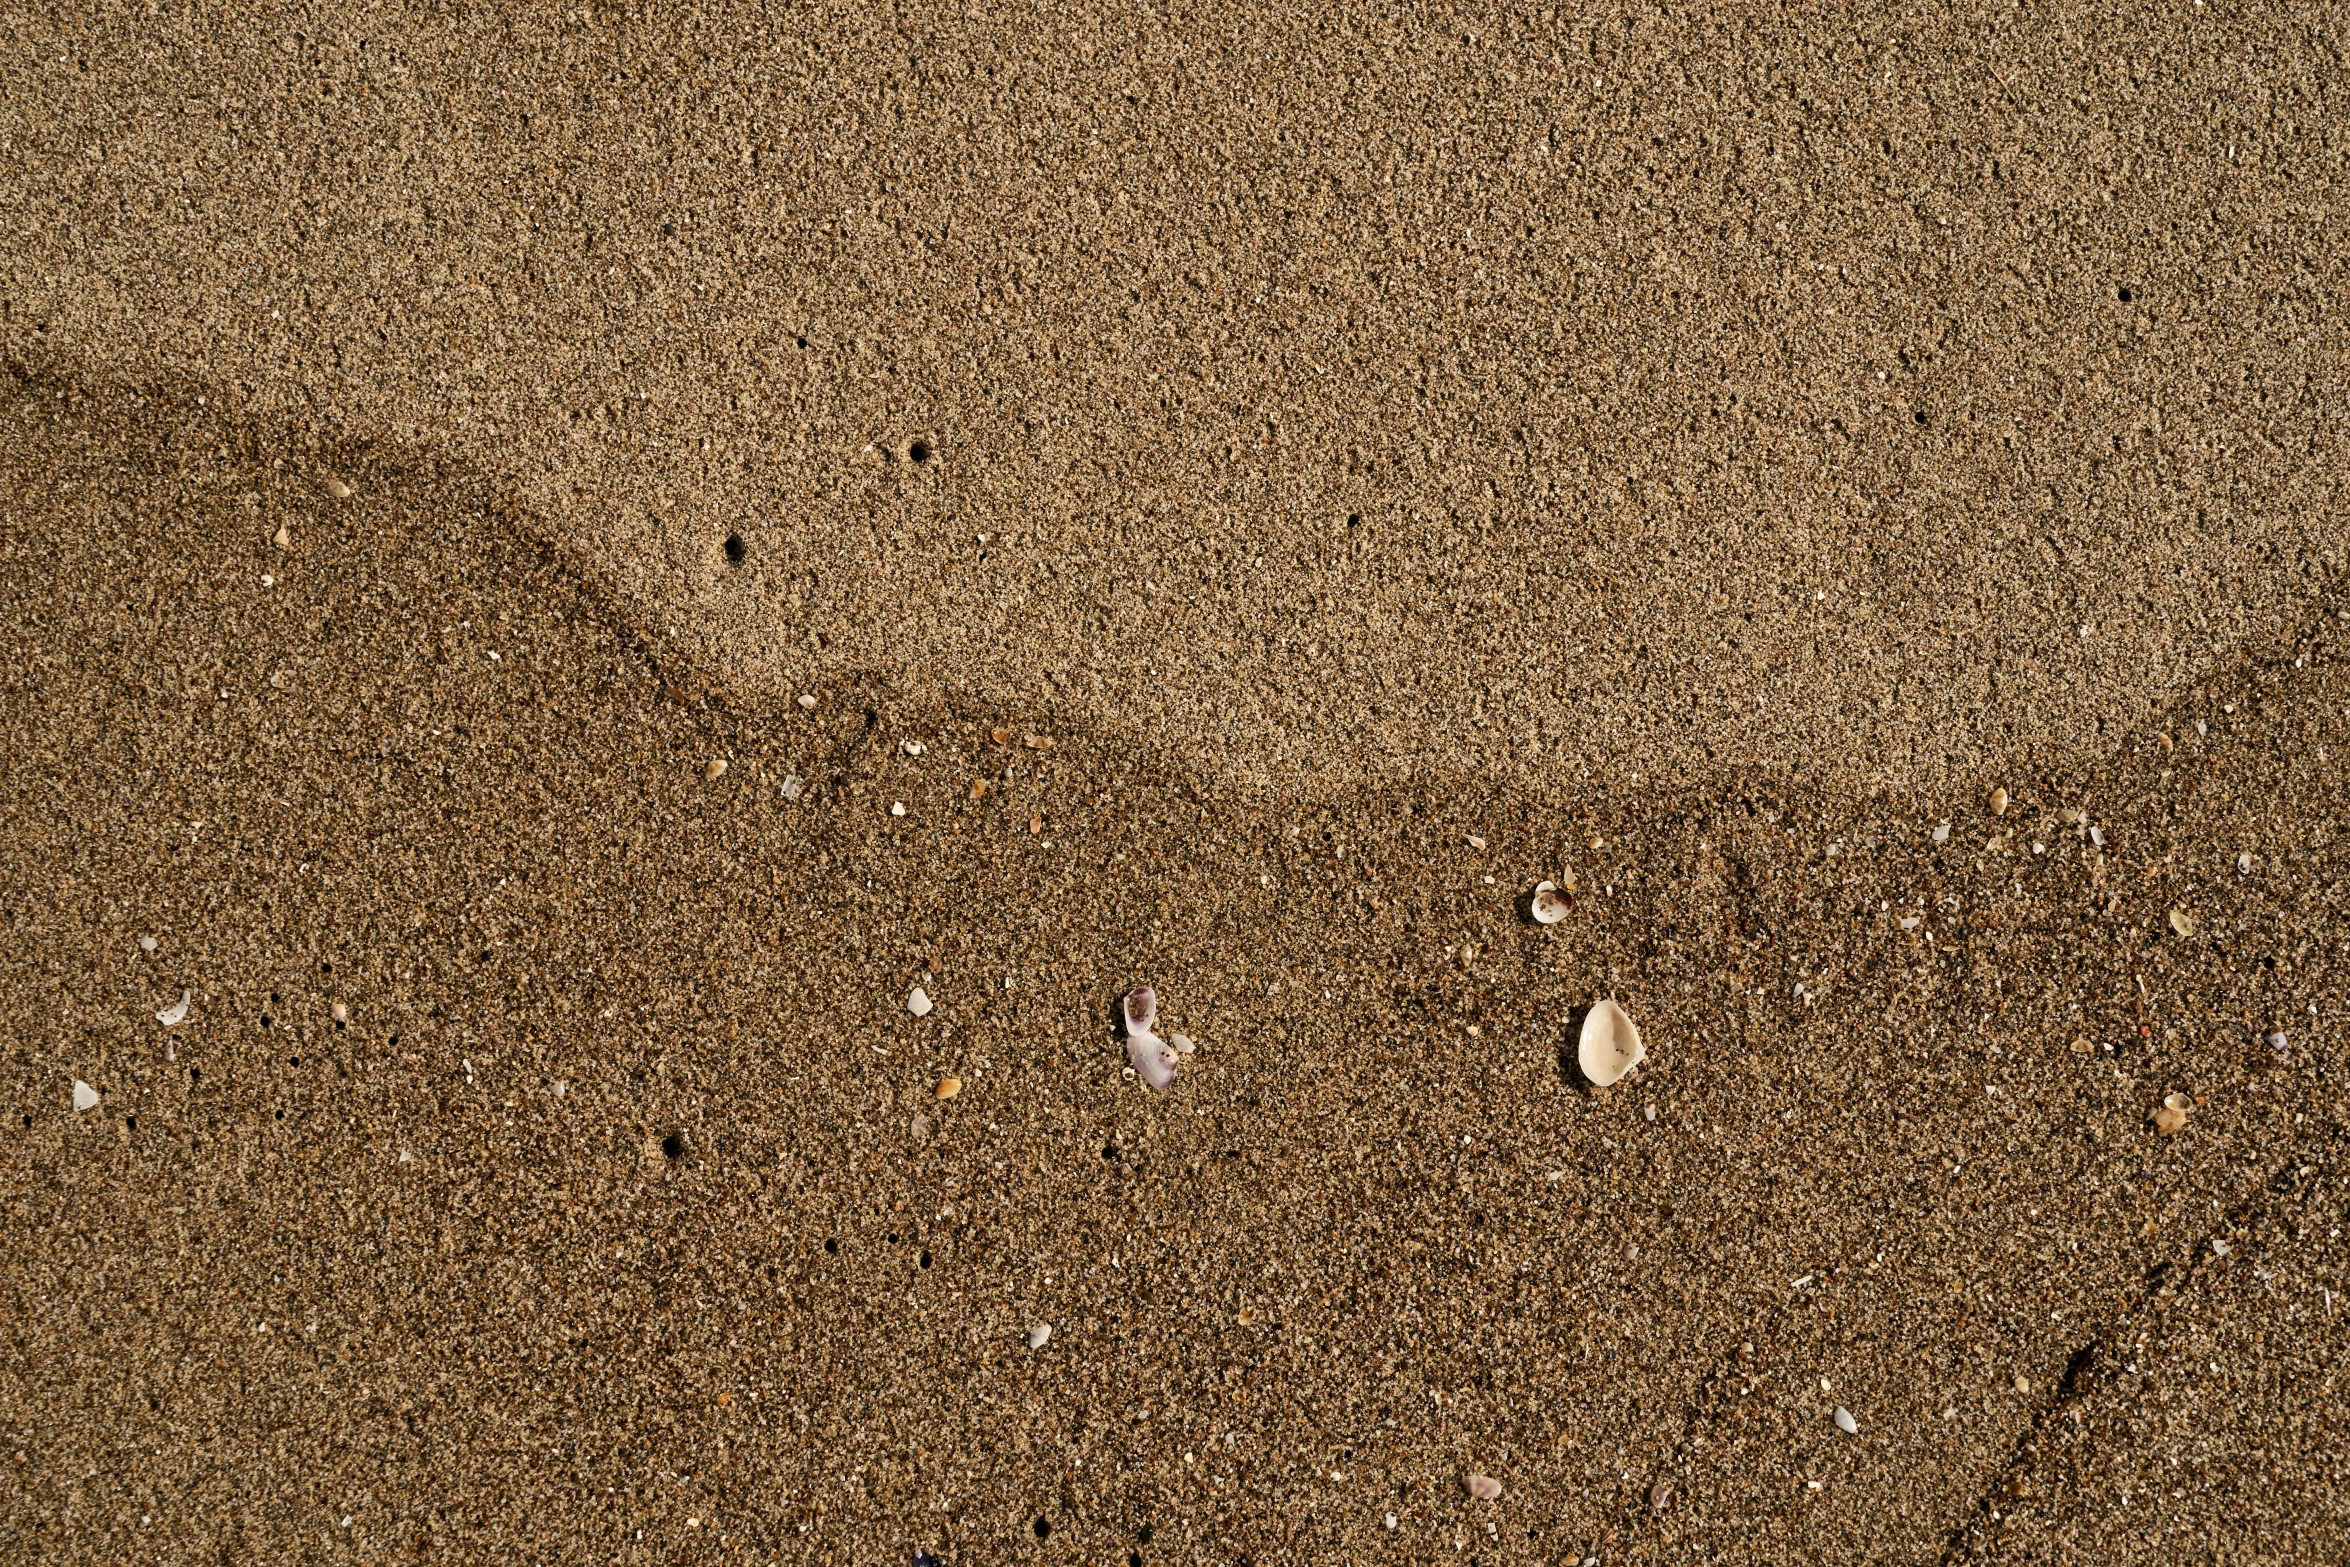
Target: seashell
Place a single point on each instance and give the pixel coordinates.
(1153, 1059)
(790, 787)
(340, 1013)
(919, 1002)
(1610, 1046)
(174, 1014)
(2175, 1100)
(1941, 834)
(338, 489)
(2171, 1118)
(147, 943)
(716, 770)
(808, 701)
(1184, 1045)
(1845, 1423)
(1550, 904)
(1039, 1335)
(948, 1087)
(1998, 802)
(1483, 1487)
(84, 1096)
(2244, 863)
(2182, 922)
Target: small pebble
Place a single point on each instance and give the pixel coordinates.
(808, 701)
(897, 807)
(1845, 1423)
(339, 1012)
(791, 786)
(1038, 1335)
(716, 769)
(948, 1087)
(1998, 802)
(84, 1096)
(919, 1002)
(2182, 922)
(1483, 1487)
(2023, 1384)
(147, 943)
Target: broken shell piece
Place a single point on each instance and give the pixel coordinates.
(1039, 1335)
(1610, 1046)
(175, 1014)
(84, 1096)
(948, 1087)
(790, 787)
(808, 701)
(1845, 1423)
(2175, 1100)
(2182, 922)
(1550, 905)
(340, 1013)
(1184, 1046)
(919, 1002)
(147, 943)
(283, 538)
(716, 770)
(338, 489)
(2171, 1118)
(1998, 802)
(921, 1128)
(2244, 863)
(1153, 1059)
(1483, 1487)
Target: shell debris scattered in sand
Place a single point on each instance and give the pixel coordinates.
(2170, 1117)
(1610, 1046)
(84, 1097)
(1483, 1487)
(808, 701)
(1040, 1335)
(948, 1087)
(2182, 922)
(716, 769)
(1550, 904)
(918, 1002)
(148, 943)
(1153, 1059)
(1845, 1423)
(175, 1014)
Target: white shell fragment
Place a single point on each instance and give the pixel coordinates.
(1610, 1046)
(790, 787)
(84, 1096)
(1483, 1487)
(919, 1002)
(1845, 1423)
(175, 1014)
(1184, 1046)
(1153, 1059)
(1550, 905)
(147, 943)
(1040, 1335)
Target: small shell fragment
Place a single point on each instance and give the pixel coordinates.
(2174, 1100)
(338, 489)
(1039, 1335)
(1941, 834)
(1610, 1046)
(175, 1014)
(1660, 1495)
(1550, 905)
(2182, 922)
(1483, 1487)
(1184, 1045)
(918, 1003)
(808, 701)
(2171, 1118)
(147, 943)
(1153, 1059)
(921, 1128)
(84, 1096)
(2244, 863)
(716, 769)
(340, 1013)
(1845, 1423)
(1998, 802)
(283, 538)
(948, 1087)
(790, 787)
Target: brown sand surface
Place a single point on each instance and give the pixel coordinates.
(1259, 494)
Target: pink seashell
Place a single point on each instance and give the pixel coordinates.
(1153, 1059)
(1483, 1487)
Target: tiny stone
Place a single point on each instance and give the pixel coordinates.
(948, 1087)
(1483, 1487)
(147, 943)
(897, 807)
(1039, 1335)
(2023, 1384)
(2182, 922)
(808, 701)
(1845, 1423)
(1998, 802)
(716, 769)
(340, 1013)
(919, 1002)
(791, 786)
(84, 1096)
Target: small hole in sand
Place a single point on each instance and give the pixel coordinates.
(926, 1259)
(1044, 1528)
(736, 549)
(1921, 416)
(919, 451)
(2126, 295)
(832, 1247)
(674, 1145)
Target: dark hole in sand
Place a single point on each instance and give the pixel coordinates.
(2126, 295)
(293, 1060)
(1144, 1534)
(1044, 1528)
(281, 1115)
(674, 1145)
(195, 1074)
(926, 1259)
(264, 1020)
(1134, 1559)
(736, 549)
(131, 1121)
(1109, 1150)
(1921, 416)
(832, 1246)
(919, 451)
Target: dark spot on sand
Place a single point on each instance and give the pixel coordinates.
(1044, 1528)
(736, 549)
(674, 1145)
(920, 451)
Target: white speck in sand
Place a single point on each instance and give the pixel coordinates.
(897, 807)
(1942, 833)
(341, 1013)
(561, 1089)
(175, 1014)
(913, 748)
(147, 943)
(84, 1096)
(1184, 1046)
(791, 786)
(919, 1002)
(1845, 1423)
(404, 1159)
(1476, 842)
(808, 702)
(1039, 1335)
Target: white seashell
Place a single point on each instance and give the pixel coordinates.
(1153, 1059)
(1845, 1423)
(147, 943)
(1483, 1487)
(1184, 1046)
(1942, 833)
(84, 1096)
(341, 1013)
(790, 787)
(174, 1014)
(1550, 905)
(808, 701)
(1039, 1335)
(919, 1002)
(1610, 1046)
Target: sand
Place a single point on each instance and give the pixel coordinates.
(1260, 496)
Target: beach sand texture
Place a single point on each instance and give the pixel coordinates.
(1211, 501)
